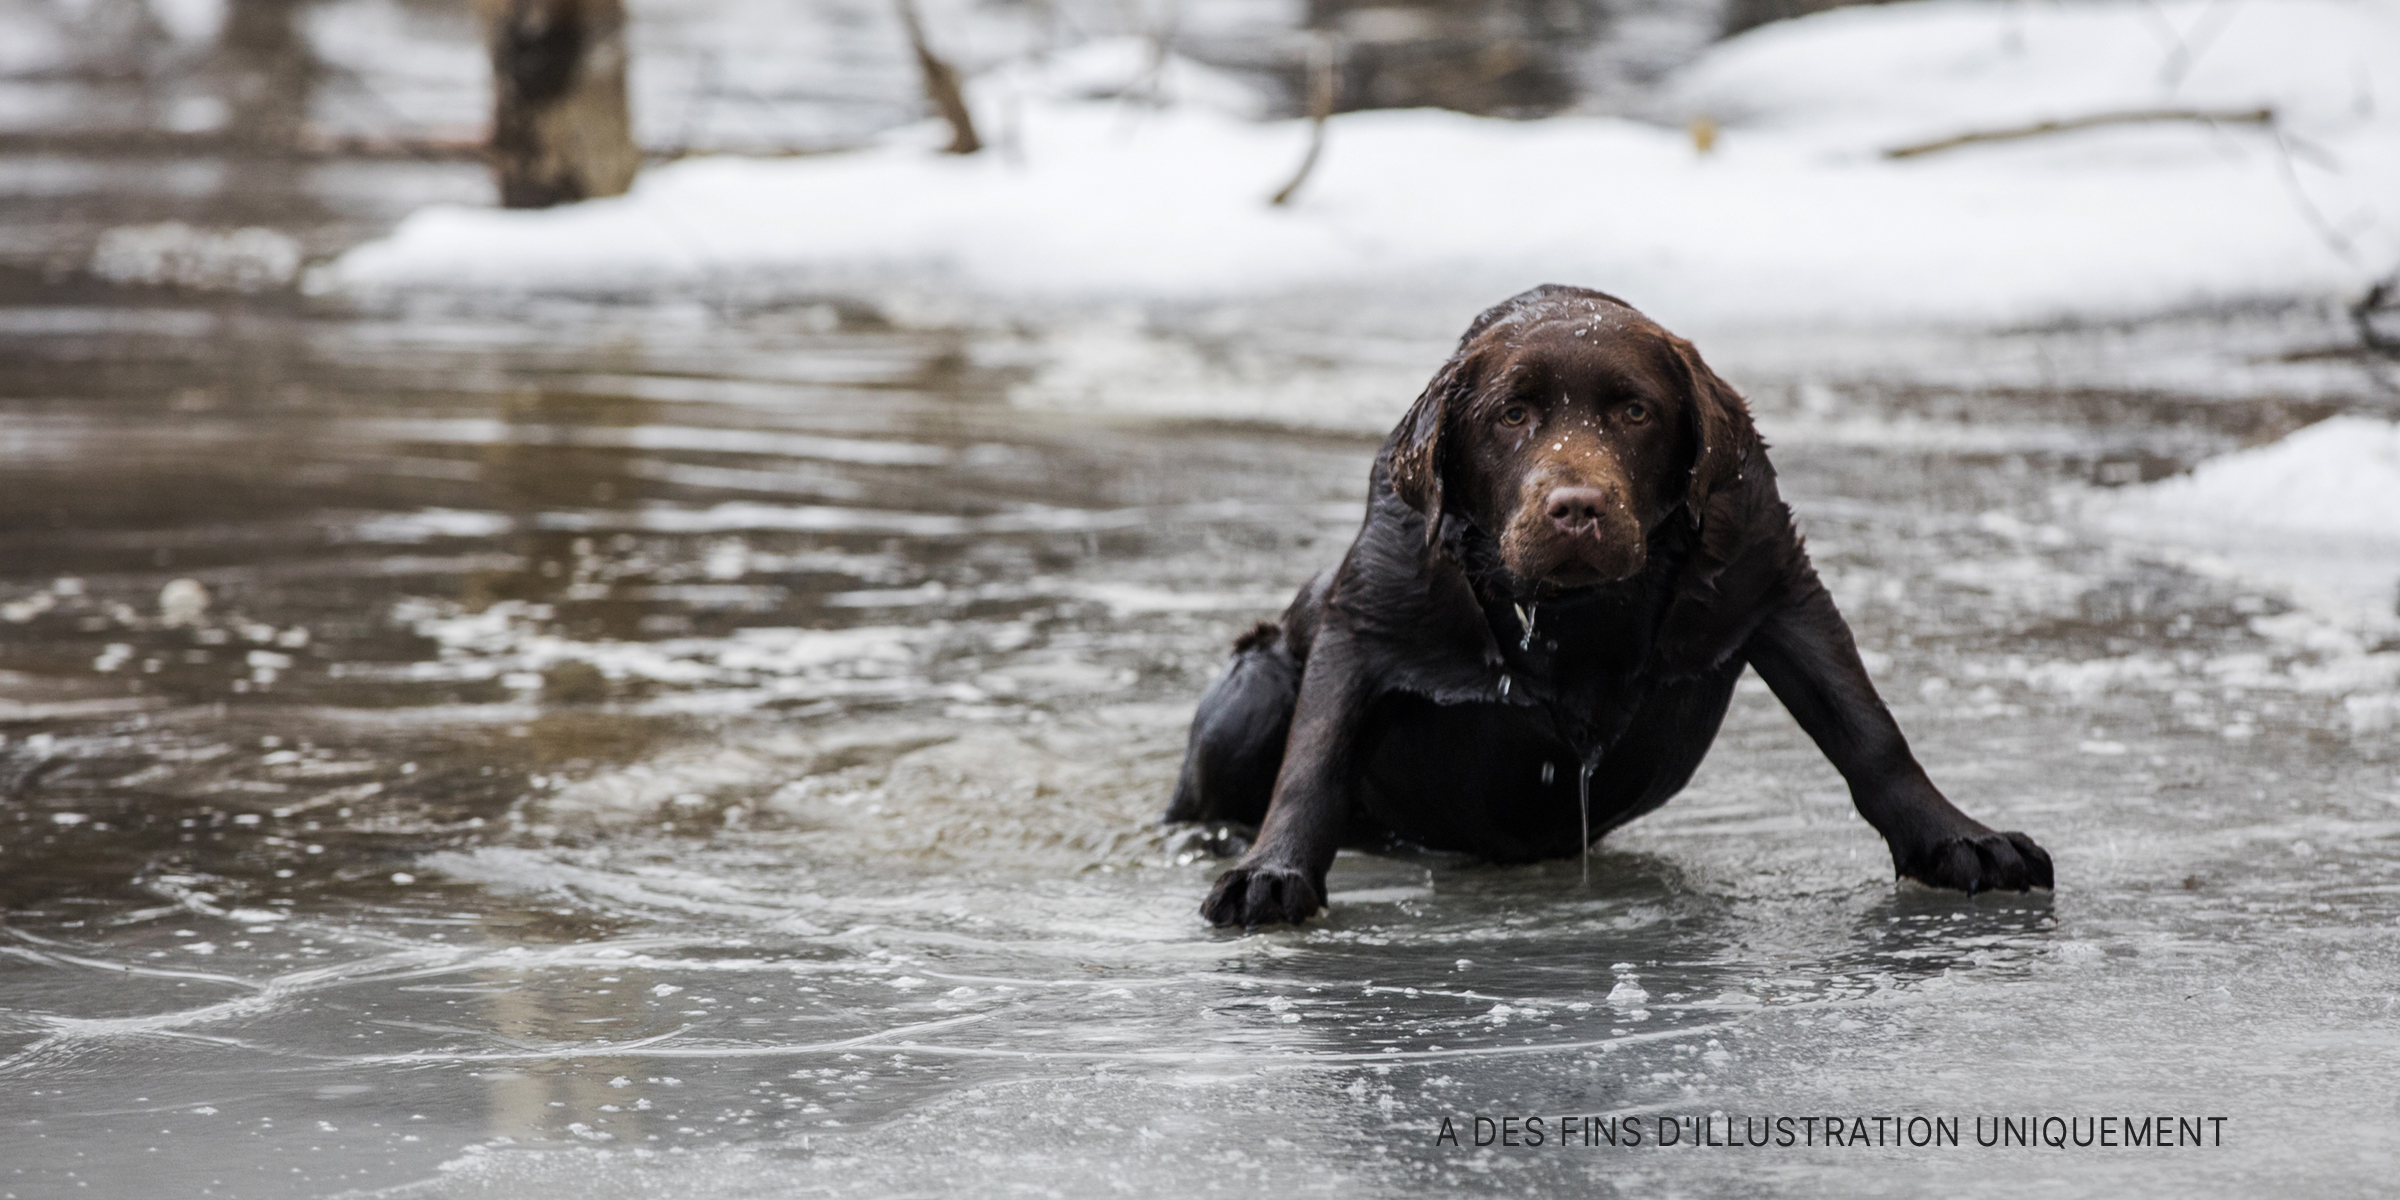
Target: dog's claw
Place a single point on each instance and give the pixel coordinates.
(1982, 861)
(1262, 895)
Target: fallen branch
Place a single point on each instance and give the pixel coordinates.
(2258, 116)
(941, 84)
(1324, 79)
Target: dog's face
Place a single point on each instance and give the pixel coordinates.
(1567, 428)
(1572, 451)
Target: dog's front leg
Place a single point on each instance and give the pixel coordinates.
(1805, 653)
(1282, 879)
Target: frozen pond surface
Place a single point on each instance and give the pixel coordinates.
(590, 753)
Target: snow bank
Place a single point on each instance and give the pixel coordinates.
(1903, 73)
(1794, 220)
(2318, 512)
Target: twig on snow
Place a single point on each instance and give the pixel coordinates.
(1324, 79)
(2256, 116)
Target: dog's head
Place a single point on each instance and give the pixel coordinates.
(1568, 427)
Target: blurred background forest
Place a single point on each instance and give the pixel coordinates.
(2102, 161)
(362, 81)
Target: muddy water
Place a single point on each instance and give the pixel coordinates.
(589, 752)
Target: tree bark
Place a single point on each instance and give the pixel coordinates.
(941, 84)
(561, 131)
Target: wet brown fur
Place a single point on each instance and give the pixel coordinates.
(1576, 466)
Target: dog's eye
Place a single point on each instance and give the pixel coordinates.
(1515, 415)
(1637, 412)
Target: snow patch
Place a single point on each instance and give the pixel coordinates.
(2317, 512)
(174, 254)
(1795, 219)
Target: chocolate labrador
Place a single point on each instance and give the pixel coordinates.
(1573, 545)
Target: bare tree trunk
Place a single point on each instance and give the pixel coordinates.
(560, 128)
(941, 84)
(269, 72)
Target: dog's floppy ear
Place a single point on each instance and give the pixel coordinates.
(1417, 443)
(1723, 436)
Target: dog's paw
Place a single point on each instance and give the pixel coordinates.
(1262, 895)
(1981, 861)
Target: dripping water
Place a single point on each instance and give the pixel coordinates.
(1583, 803)
(1525, 617)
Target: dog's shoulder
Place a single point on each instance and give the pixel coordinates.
(1409, 607)
(1750, 557)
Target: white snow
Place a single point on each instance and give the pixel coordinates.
(2337, 478)
(419, 66)
(1908, 72)
(173, 253)
(193, 21)
(2317, 513)
(1795, 220)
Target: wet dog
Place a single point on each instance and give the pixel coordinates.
(1573, 546)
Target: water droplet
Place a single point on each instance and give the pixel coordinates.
(1583, 799)
(1504, 687)
(1549, 772)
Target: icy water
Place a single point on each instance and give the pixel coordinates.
(588, 752)
(603, 753)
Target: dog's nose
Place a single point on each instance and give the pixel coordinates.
(1577, 510)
